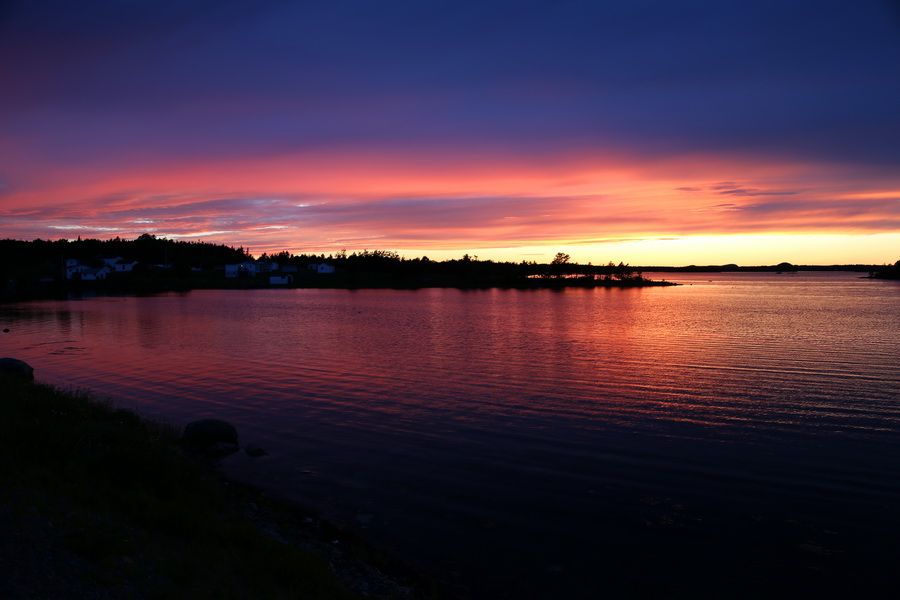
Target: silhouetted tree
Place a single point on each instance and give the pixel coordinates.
(559, 263)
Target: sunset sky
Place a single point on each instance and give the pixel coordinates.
(653, 132)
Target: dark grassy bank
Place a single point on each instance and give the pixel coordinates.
(96, 502)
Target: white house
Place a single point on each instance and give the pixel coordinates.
(76, 269)
(280, 279)
(96, 274)
(86, 273)
(125, 267)
(321, 268)
(73, 267)
(247, 267)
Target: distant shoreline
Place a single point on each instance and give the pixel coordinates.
(114, 288)
(761, 269)
(44, 269)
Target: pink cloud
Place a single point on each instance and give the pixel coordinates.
(330, 201)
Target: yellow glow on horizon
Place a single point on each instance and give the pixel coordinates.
(740, 249)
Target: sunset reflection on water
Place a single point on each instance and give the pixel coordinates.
(562, 430)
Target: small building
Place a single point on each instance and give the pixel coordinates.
(74, 268)
(125, 267)
(280, 279)
(248, 268)
(289, 269)
(96, 274)
(321, 268)
(111, 262)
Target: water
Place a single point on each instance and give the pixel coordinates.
(739, 428)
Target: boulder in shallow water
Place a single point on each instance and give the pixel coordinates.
(211, 436)
(220, 449)
(19, 369)
(255, 451)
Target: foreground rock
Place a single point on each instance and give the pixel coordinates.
(211, 436)
(13, 367)
(255, 451)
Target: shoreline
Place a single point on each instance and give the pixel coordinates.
(75, 292)
(110, 501)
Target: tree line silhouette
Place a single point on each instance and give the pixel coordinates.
(37, 268)
(370, 266)
(49, 256)
(887, 272)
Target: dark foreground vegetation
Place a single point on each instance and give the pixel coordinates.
(96, 502)
(41, 268)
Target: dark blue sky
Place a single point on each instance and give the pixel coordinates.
(817, 78)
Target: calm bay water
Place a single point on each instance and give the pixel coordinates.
(538, 443)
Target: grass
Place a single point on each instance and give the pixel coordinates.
(137, 515)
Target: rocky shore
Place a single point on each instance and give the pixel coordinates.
(97, 502)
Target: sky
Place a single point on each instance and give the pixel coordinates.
(648, 131)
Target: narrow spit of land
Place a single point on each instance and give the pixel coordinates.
(97, 502)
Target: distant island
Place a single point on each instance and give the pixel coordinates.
(44, 269)
(782, 267)
(887, 272)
